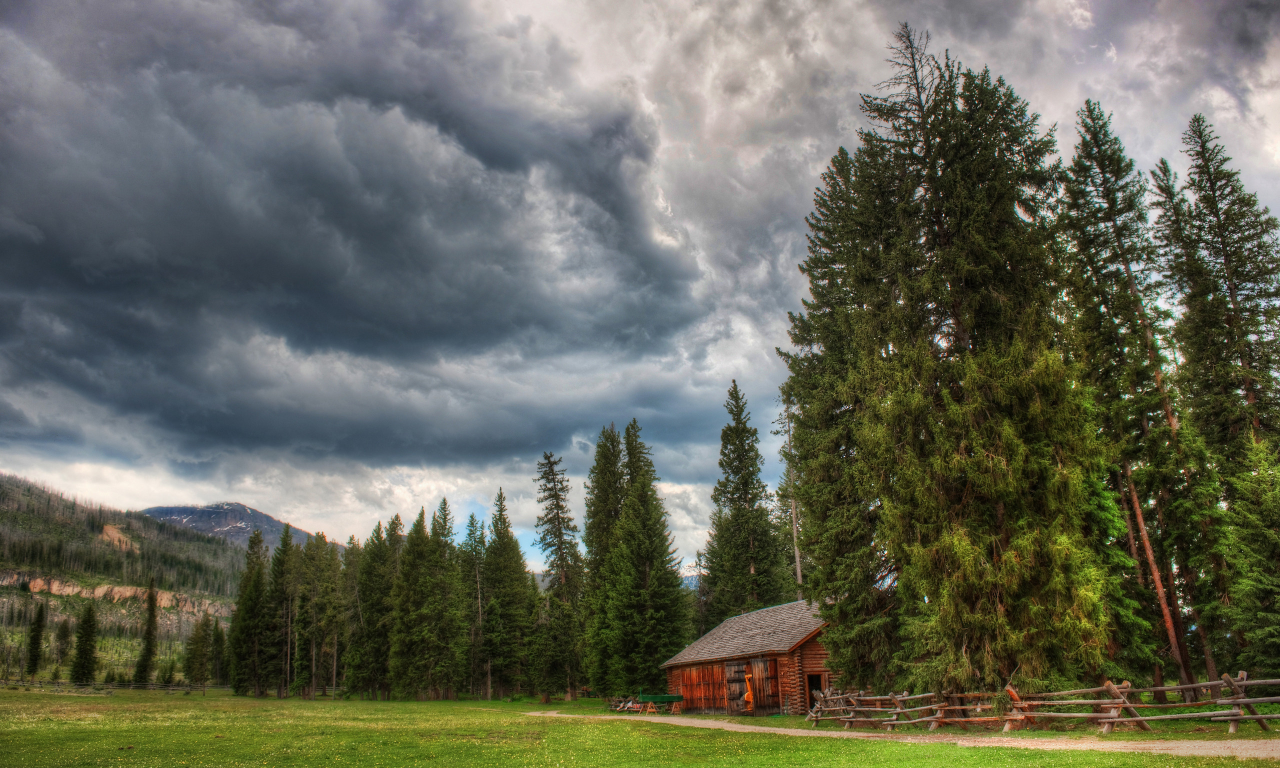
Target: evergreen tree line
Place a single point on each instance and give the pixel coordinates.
(1034, 402)
(418, 614)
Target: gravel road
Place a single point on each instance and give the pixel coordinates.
(1242, 748)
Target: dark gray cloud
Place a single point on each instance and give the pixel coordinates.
(337, 259)
(393, 181)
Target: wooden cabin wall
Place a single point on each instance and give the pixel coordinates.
(719, 687)
(702, 685)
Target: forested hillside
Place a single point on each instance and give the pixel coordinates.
(45, 532)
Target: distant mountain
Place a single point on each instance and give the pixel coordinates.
(227, 519)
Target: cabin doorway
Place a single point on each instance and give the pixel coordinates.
(814, 684)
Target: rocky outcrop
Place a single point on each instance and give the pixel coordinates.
(113, 593)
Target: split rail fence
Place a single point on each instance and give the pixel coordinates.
(1224, 701)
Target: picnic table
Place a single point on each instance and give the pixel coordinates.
(649, 703)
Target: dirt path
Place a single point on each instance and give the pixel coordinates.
(1243, 748)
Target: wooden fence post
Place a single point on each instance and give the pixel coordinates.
(1238, 691)
(1018, 708)
(1116, 693)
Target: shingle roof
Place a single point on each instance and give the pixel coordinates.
(768, 630)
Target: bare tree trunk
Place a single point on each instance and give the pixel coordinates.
(1210, 667)
(1133, 548)
(1155, 578)
(1176, 606)
(1157, 681)
(795, 517)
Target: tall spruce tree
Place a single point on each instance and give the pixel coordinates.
(507, 605)
(562, 661)
(743, 560)
(318, 612)
(282, 601)
(1220, 253)
(251, 644)
(445, 636)
(645, 606)
(1164, 476)
(410, 657)
(333, 617)
(352, 555)
(84, 664)
(471, 566)
(950, 472)
(368, 655)
(1223, 257)
(606, 489)
(147, 658)
(35, 640)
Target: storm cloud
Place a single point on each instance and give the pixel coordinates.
(335, 259)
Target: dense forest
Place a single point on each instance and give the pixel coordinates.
(413, 612)
(1034, 400)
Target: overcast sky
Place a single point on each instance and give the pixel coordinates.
(336, 259)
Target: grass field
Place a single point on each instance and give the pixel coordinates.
(153, 729)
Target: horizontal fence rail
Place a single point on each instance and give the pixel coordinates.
(1224, 701)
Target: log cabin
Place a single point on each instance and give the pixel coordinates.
(774, 653)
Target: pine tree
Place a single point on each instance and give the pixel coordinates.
(842, 520)
(1222, 256)
(282, 601)
(333, 616)
(195, 663)
(507, 605)
(446, 634)
(368, 655)
(147, 659)
(645, 605)
(251, 642)
(218, 655)
(410, 660)
(950, 472)
(1164, 466)
(606, 490)
(318, 611)
(84, 666)
(743, 560)
(352, 556)
(35, 641)
(471, 566)
(1253, 607)
(564, 567)
(1220, 253)
(62, 640)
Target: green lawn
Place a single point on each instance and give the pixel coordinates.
(154, 729)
